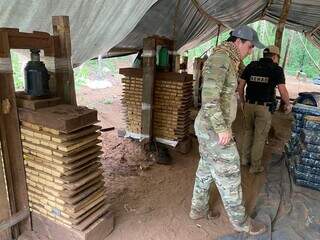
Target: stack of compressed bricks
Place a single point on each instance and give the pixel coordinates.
(64, 179)
(172, 101)
(303, 148)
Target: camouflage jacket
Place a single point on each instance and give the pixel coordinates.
(220, 74)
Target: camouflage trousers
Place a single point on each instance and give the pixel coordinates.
(219, 164)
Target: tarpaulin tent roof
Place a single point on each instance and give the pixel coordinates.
(196, 21)
(98, 25)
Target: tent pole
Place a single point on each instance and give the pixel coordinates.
(287, 50)
(219, 28)
(282, 22)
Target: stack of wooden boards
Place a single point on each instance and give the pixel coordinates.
(172, 102)
(64, 178)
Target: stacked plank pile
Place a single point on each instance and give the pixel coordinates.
(132, 101)
(64, 179)
(303, 148)
(171, 110)
(172, 101)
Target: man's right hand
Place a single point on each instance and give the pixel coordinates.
(224, 137)
(287, 108)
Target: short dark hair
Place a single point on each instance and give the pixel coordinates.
(233, 39)
(268, 55)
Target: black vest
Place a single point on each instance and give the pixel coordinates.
(262, 77)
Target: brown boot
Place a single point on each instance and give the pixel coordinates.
(196, 215)
(252, 227)
(210, 215)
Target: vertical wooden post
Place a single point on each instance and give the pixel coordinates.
(282, 22)
(10, 138)
(149, 46)
(64, 71)
(176, 63)
(286, 52)
(4, 202)
(197, 76)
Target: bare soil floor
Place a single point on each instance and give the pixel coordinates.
(152, 201)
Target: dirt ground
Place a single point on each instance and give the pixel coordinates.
(152, 201)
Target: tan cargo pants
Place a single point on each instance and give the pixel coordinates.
(257, 126)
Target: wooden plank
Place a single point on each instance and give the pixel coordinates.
(88, 169)
(84, 180)
(38, 103)
(10, 139)
(68, 159)
(99, 230)
(137, 74)
(13, 220)
(22, 40)
(84, 193)
(92, 218)
(64, 71)
(4, 203)
(63, 118)
(57, 137)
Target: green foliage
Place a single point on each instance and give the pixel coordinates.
(298, 58)
(17, 68)
(107, 101)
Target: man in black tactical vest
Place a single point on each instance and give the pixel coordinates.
(261, 77)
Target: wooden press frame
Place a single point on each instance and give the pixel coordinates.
(149, 69)
(14, 211)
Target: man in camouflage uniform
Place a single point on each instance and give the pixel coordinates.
(219, 158)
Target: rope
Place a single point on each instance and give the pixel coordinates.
(205, 14)
(264, 11)
(315, 29)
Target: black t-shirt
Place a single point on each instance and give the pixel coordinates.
(262, 77)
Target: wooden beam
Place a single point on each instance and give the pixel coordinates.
(287, 50)
(197, 73)
(64, 71)
(149, 46)
(4, 202)
(282, 22)
(13, 220)
(10, 138)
